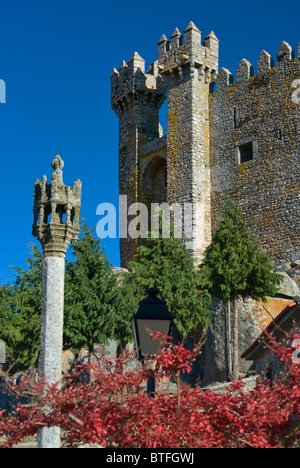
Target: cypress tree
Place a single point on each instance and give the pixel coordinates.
(95, 309)
(166, 263)
(20, 310)
(234, 266)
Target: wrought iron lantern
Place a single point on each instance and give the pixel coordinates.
(151, 316)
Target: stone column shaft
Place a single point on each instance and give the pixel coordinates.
(52, 318)
(51, 335)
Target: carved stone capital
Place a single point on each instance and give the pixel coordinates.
(56, 212)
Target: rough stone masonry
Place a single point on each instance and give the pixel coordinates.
(224, 137)
(240, 139)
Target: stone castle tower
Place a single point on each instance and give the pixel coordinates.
(223, 137)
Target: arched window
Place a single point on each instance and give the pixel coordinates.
(155, 181)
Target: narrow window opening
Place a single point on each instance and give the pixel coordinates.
(61, 211)
(212, 87)
(245, 152)
(73, 217)
(47, 215)
(278, 133)
(163, 118)
(234, 118)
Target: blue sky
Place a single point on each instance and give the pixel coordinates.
(56, 58)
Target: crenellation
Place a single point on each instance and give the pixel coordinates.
(285, 52)
(244, 71)
(123, 67)
(114, 73)
(153, 69)
(238, 140)
(212, 44)
(265, 67)
(261, 118)
(176, 39)
(163, 47)
(224, 79)
(136, 63)
(241, 140)
(264, 64)
(192, 41)
(187, 52)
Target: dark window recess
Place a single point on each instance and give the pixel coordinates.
(47, 214)
(234, 118)
(278, 133)
(246, 152)
(212, 87)
(61, 211)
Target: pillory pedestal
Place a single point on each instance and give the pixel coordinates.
(56, 224)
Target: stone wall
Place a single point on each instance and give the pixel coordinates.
(241, 140)
(184, 71)
(136, 98)
(216, 368)
(259, 110)
(222, 387)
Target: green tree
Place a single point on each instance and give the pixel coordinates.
(166, 264)
(20, 311)
(234, 266)
(95, 309)
(95, 306)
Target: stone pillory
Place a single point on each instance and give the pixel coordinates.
(56, 212)
(56, 224)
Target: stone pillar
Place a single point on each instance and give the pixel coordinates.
(51, 335)
(56, 225)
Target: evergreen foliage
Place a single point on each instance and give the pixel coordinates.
(234, 266)
(166, 264)
(95, 309)
(20, 311)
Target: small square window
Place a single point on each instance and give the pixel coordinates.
(246, 152)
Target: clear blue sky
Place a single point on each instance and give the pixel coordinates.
(56, 57)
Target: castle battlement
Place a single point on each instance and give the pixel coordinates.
(183, 56)
(188, 51)
(130, 84)
(242, 140)
(188, 47)
(265, 68)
